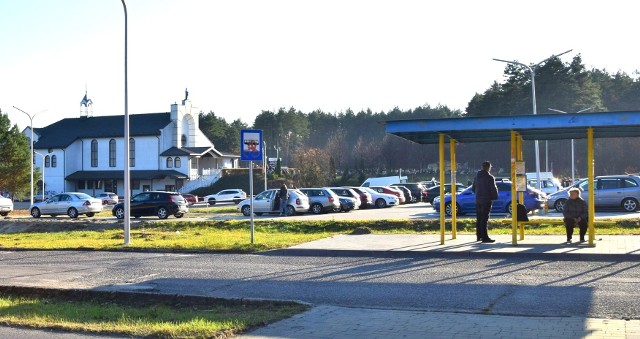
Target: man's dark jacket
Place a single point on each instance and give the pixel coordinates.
(484, 186)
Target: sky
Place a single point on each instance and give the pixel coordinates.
(238, 58)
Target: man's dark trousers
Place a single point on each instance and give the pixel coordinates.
(483, 208)
(569, 224)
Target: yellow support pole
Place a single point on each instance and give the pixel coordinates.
(454, 226)
(514, 211)
(442, 213)
(591, 177)
(520, 194)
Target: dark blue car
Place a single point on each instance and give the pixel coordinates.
(466, 200)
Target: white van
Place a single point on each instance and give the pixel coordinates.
(384, 181)
(548, 183)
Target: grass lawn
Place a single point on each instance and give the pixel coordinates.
(234, 235)
(156, 320)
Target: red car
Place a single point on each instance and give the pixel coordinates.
(365, 197)
(190, 198)
(390, 190)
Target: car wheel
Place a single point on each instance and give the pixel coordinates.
(316, 208)
(211, 202)
(291, 211)
(4, 214)
(246, 210)
(72, 212)
(447, 209)
(509, 208)
(237, 201)
(380, 203)
(35, 212)
(179, 215)
(90, 215)
(119, 213)
(630, 204)
(163, 213)
(559, 205)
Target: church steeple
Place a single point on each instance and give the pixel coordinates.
(86, 106)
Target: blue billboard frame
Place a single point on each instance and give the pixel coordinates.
(251, 144)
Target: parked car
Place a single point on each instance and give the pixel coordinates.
(466, 200)
(235, 194)
(365, 197)
(266, 202)
(347, 193)
(38, 197)
(321, 199)
(160, 203)
(434, 191)
(6, 206)
(418, 190)
(70, 203)
(108, 198)
(408, 197)
(381, 200)
(612, 191)
(390, 190)
(548, 186)
(190, 198)
(347, 204)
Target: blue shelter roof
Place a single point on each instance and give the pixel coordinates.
(530, 127)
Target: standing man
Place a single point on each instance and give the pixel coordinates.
(284, 199)
(484, 186)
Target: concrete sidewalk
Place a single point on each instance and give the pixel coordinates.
(341, 322)
(607, 247)
(326, 321)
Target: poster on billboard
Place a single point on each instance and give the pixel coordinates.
(251, 144)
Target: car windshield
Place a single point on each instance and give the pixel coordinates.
(369, 190)
(82, 196)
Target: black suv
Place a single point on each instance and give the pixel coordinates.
(158, 203)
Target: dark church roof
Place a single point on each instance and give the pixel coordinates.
(64, 132)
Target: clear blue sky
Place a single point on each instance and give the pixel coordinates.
(240, 57)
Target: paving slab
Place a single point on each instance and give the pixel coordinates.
(341, 322)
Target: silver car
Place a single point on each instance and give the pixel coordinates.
(6, 206)
(70, 203)
(322, 199)
(265, 202)
(612, 191)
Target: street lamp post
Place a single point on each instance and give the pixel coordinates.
(573, 170)
(532, 71)
(43, 166)
(30, 142)
(265, 162)
(127, 181)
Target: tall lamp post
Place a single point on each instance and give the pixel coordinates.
(43, 166)
(532, 71)
(573, 170)
(30, 142)
(127, 181)
(265, 162)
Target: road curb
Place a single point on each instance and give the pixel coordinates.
(452, 255)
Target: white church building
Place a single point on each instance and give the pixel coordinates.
(167, 151)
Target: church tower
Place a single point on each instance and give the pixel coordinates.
(86, 106)
(185, 123)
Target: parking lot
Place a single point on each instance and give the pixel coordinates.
(419, 210)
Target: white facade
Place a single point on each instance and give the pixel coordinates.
(164, 158)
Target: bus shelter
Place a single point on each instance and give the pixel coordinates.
(515, 129)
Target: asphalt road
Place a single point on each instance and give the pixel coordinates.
(509, 286)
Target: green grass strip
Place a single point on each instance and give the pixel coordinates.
(234, 235)
(152, 321)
